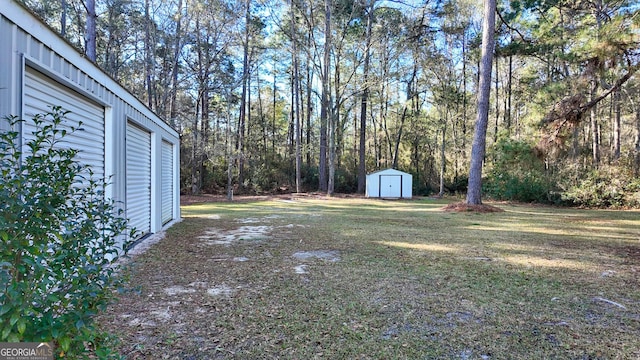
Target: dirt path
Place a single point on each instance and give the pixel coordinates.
(189, 286)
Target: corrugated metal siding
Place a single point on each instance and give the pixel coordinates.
(26, 42)
(138, 144)
(167, 182)
(6, 63)
(41, 93)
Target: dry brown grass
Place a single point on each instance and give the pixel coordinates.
(464, 207)
(362, 279)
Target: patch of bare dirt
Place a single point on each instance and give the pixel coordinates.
(187, 295)
(213, 236)
(632, 254)
(464, 207)
(327, 255)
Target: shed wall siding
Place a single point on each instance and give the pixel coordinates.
(389, 183)
(138, 147)
(40, 92)
(10, 66)
(167, 181)
(27, 43)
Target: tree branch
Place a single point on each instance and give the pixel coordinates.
(581, 109)
(522, 37)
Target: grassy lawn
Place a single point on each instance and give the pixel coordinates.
(366, 279)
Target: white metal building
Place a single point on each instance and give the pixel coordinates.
(122, 140)
(389, 184)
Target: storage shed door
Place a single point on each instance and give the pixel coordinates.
(390, 186)
(41, 93)
(167, 182)
(138, 147)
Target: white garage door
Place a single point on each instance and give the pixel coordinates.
(41, 93)
(138, 147)
(167, 182)
(390, 186)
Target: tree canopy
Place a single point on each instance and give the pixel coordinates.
(278, 96)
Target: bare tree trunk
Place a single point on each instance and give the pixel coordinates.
(443, 159)
(507, 112)
(325, 107)
(464, 96)
(195, 186)
(230, 178)
(148, 61)
(90, 34)
(385, 144)
(497, 114)
(399, 138)
(616, 125)
(384, 107)
(263, 123)
(355, 144)
(390, 143)
(415, 156)
(332, 155)
(474, 193)
(247, 122)
(204, 138)
(63, 18)
(243, 98)
(376, 144)
(296, 101)
(334, 121)
(291, 131)
(173, 106)
(230, 159)
(308, 110)
(595, 131)
(362, 171)
(273, 119)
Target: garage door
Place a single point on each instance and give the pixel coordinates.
(167, 182)
(138, 148)
(390, 186)
(41, 93)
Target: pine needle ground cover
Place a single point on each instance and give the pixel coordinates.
(365, 279)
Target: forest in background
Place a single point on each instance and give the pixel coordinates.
(274, 96)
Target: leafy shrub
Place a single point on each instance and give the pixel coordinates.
(310, 177)
(59, 237)
(270, 174)
(345, 181)
(606, 187)
(459, 185)
(422, 188)
(517, 174)
(525, 187)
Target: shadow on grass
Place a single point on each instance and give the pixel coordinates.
(404, 280)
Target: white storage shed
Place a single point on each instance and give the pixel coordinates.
(123, 141)
(389, 184)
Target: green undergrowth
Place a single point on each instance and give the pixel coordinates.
(59, 236)
(390, 279)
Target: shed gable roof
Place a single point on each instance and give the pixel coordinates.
(388, 172)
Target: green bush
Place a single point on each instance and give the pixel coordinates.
(606, 187)
(270, 174)
(59, 239)
(526, 187)
(346, 181)
(517, 174)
